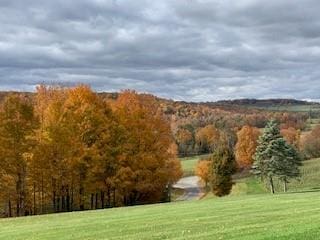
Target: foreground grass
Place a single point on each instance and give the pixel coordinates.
(283, 216)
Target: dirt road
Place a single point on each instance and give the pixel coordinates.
(191, 186)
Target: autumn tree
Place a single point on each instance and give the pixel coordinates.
(311, 143)
(45, 164)
(202, 170)
(207, 138)
(184, 139)
(223, 166)
(70, 150)
(17, 123)
(246, 146)
(292, 136)
(145, 154)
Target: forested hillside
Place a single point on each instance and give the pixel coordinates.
(194, 125)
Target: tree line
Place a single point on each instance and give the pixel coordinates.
(68, 149)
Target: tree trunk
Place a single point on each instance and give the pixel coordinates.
(169, 192)
(63, 203)
(17, 208)
(109, 197)
(10, 208)
(102, 199)
(285, 188)
(92, 196)
(72, 196)
(68, 199)
(271, 185)
(42, 192)
(114, 197)
(81, 192)
(58, 204)
(96, 203)
(54, 201)
(34, 199)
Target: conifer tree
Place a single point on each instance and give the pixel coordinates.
(223, 166)
(275, 157)
(289, 165)
(264, 165)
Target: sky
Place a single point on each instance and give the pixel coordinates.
(192, 50)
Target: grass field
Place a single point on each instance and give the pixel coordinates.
(189, 163)
(248, 213)
(283, 216)
(309, 181)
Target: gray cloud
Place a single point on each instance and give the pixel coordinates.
(196, 50)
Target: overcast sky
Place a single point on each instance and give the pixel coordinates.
(194, 50)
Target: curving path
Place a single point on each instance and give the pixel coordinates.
(191, 186)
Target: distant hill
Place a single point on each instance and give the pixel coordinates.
(266, 102)
(291, 105)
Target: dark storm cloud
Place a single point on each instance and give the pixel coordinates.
(190, 50)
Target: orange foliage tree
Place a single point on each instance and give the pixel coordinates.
(202, 170)
(292, 136)
(146, 154)
(246, 146)
(310, 143)
(70, 150)
(207, 138)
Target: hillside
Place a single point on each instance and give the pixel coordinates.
(284, 216)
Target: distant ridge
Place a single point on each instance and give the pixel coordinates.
(246, 102)
(266, 102)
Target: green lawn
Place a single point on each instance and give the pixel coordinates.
(309, 181)
(248, 213)
(189, 163)
(263, 216)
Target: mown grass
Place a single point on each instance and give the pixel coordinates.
(248, 213)
(189, 163)
(263, 216)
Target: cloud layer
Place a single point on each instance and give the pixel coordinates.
(194, 50)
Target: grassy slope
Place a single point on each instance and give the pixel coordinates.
(243, 215)
(283, 216)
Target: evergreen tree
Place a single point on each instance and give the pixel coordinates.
(275, 157)
(289, 167)
(264, 162)
(223, 166)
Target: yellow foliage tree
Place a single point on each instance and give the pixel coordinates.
(246, 146)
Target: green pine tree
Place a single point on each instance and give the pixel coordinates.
(274, 157)
(223, 166)
(262, 160)
(289, 167)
